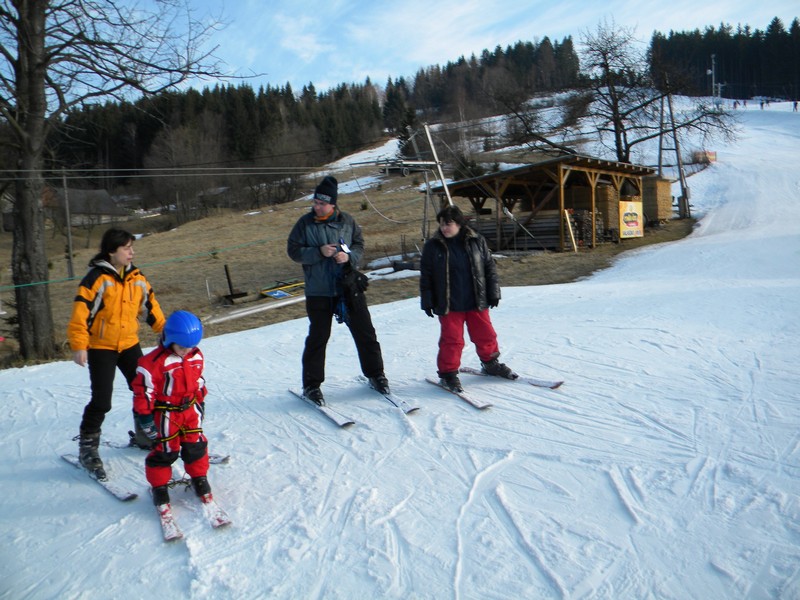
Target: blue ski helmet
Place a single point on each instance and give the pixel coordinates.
(184, 329)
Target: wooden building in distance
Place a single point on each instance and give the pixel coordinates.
(559, 203)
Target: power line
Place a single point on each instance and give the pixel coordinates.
(211, 253)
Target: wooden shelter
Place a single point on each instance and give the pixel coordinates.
(568, 192)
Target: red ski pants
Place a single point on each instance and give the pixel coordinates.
(181, 435)
(451, 338)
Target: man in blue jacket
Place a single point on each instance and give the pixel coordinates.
(329, 244)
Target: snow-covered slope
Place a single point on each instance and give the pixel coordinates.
(667, 465)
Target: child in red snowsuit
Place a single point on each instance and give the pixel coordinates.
(168, 403)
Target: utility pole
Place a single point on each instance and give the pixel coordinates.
(413, 139)
(438, 165)
(70, 269)
(713, 75)
(684, 210)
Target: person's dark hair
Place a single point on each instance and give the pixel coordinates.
(451, 213)
(113, 239)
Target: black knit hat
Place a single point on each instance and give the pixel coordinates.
(327, 190)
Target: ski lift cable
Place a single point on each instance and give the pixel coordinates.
(366, 198)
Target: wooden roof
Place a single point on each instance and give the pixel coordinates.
(524, 181)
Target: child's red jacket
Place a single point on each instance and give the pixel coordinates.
(164, 378)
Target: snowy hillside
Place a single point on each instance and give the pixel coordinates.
(667, 465)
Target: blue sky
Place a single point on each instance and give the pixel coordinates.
(345, 41)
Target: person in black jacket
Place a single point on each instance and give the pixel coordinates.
(458, 282)
(329, 245)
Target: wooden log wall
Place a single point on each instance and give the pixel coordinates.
(657, 200)
(544, 232)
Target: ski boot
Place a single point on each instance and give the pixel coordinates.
(380, 384)
(89, 456)
(202, 488)
(497, 369)
(451, 382)
(161, 495)
(314, 394)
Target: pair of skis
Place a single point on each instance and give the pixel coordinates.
(213, 513)
(344, 421)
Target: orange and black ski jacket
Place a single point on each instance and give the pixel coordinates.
(107, 308)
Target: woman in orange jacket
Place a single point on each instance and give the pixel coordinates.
(103, 332)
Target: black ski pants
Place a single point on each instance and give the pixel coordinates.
(103, 365)
(320, 315)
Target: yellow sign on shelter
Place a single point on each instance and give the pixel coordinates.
(631, 219)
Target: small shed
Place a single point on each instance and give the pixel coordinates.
(553, 203)
(86, 207)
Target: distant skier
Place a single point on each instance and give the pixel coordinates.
(169, 394)
(458, 282)
(103, 332)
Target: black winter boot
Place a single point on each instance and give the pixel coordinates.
(451, 382)
(88, 444)
(497, 369)
(314, 394)
(160, 495)
(201, 485)
(380, 384)
(202, 489)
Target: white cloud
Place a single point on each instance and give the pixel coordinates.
(301, 37)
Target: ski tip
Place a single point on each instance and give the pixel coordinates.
(221, 524)
(113, 488)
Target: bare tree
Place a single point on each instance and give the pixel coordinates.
(193, 152)
(625, 107)
(57, 54)
(527, 125)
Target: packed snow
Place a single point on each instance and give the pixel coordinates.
(666, 466)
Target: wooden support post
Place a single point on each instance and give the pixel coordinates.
(569, 228)
(233, 293)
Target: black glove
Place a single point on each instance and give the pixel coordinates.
(493, 303)
(429, 312)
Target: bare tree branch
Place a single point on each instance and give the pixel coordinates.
(626, 104)
(55, 55)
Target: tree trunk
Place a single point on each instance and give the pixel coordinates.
(36, 336)
(29, 258)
